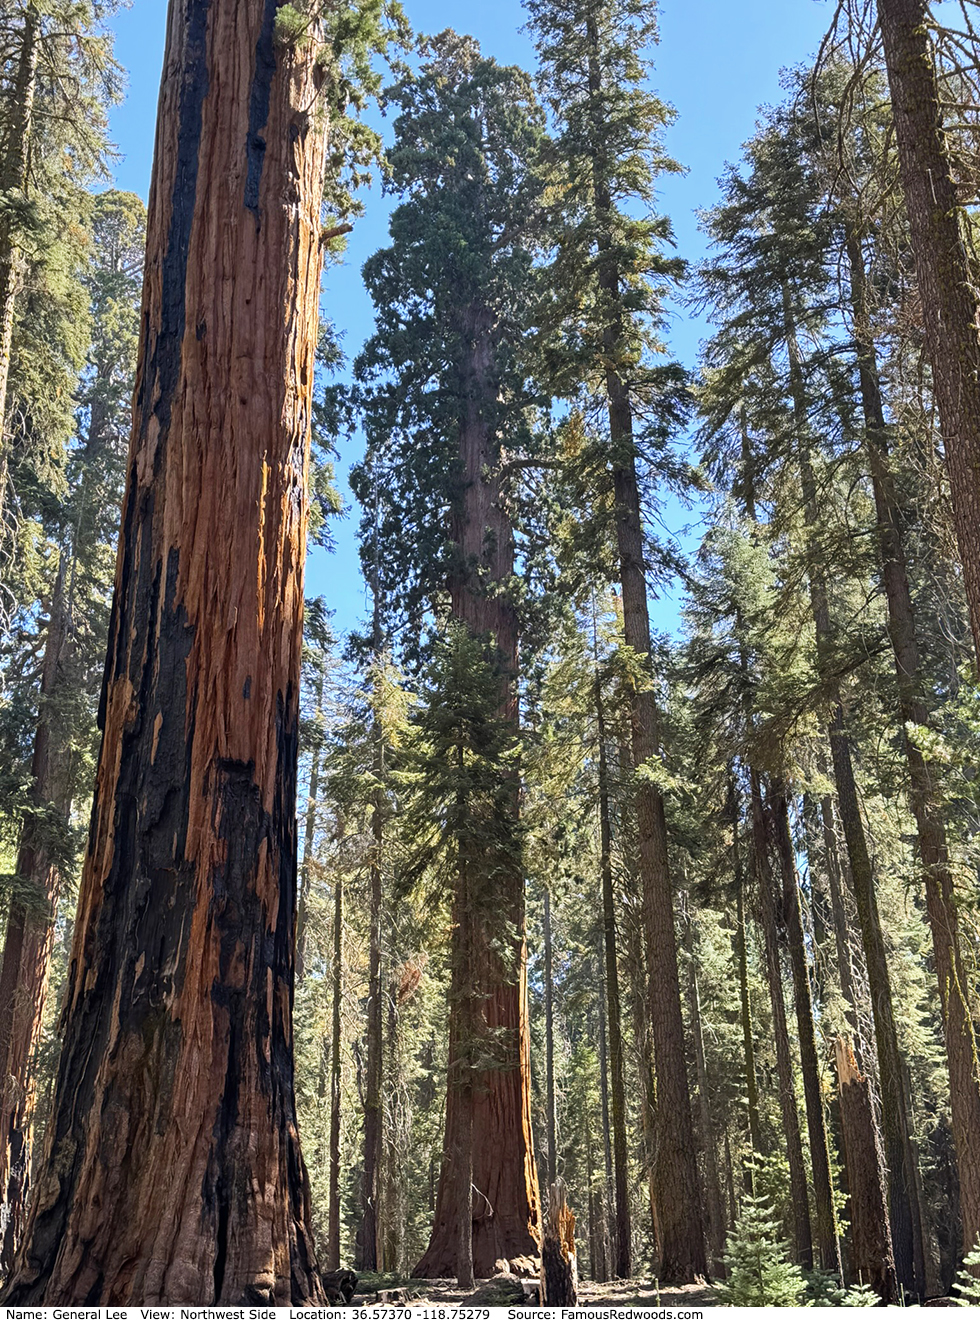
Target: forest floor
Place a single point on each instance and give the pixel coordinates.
(607, 1294)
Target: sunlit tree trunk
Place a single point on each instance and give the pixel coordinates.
(488, 1118)
(13, 185)
(175, 1087)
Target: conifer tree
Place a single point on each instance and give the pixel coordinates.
(603, 307)
(75, 640)
(447, 412)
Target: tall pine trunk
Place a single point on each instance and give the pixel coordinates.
(175, 1086)
(336, 1076)
(489, 1120)
(950, 314)
(551, 1121)
(894, 1101)
(745, 1008)
(28, 941)
(624, 1232)
(828, 1237)
(802, 1231)
(709, 1145)
(676, 1187)
(309, 844)
(370, 1230)
(13, 186)
(924, 797)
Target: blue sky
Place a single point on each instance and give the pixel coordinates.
(718, 61)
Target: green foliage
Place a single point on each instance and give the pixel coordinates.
(967, 1284)
(463, 236)
(760, 1273)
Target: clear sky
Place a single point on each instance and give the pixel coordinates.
(718, 61)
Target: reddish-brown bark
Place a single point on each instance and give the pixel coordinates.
(488, 1116)
(172, 1170)
(872, 1260)
(675, 1188)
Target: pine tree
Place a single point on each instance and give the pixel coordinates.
(760, 1273)
(452, 296)
(605, 290)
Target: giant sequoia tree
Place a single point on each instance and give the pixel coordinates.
(172, 1170)
(447, 410)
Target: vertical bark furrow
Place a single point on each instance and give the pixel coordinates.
(172, 1170)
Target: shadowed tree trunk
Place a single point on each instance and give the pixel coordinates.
(175, 1087)
(924, 797)
(839, 916)
(871, 1241)
(624, 1231)
(490, 1118)
(369, 1231)
(802, 1233)
(549, 1044)
(607, 1198)
(28, 941)
(745, 1008)
(950, 316)
(559, 1265)
(336, 1003)
(894, 1100)
(709, 1146)
(823, 1189)
(309, 843)
(675, 1175)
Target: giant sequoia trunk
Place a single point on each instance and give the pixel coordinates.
(488, 1115)
(950, 308)
(28, 941)
(924, 794)
(172, 1170)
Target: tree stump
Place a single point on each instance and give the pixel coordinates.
(871, 1241)
(559, 1269)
